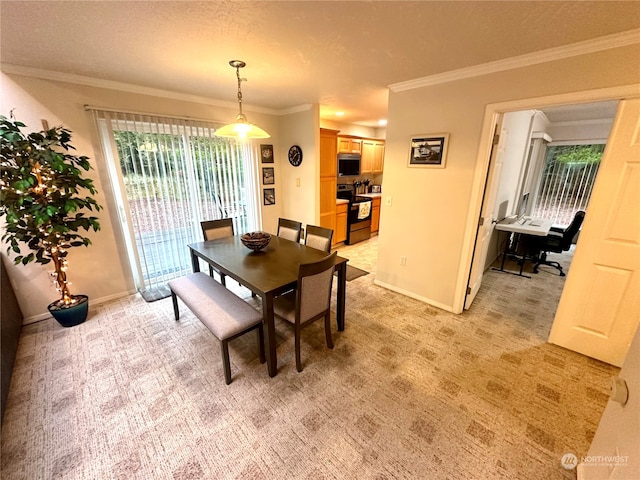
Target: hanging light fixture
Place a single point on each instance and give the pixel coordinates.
(241, 128)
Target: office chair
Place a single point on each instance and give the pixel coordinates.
(310, 301)
(289, 229)
(558, 241)
(318, 237)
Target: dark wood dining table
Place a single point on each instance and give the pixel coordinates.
(268, 273)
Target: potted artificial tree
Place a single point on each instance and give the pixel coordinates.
(42, 200)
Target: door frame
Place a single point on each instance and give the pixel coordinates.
(482, 164)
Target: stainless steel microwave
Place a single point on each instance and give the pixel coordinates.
(348, 164)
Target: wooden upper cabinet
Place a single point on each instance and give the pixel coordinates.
(328, 153)
(349, 145)
(378, 157)
(372, 156)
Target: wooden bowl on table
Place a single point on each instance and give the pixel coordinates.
(255, 241)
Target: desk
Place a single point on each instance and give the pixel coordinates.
(540, 228)
(272, 271)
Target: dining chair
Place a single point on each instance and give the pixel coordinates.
(310, 301)
(289, 229)
(214, 229)
(318, 237)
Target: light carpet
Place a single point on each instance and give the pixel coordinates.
(409, 391)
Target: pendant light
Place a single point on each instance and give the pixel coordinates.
(241, 128)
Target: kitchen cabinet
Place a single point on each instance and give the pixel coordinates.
(372, 156)
(328, 178)
(340, 232)
(349, 144)
(375, 214)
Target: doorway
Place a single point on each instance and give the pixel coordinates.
(545, 103)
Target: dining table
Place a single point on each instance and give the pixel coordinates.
(268, 273)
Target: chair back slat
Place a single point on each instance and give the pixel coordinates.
(289, 229)
(319, 237)
(315, 281)
(213, 229)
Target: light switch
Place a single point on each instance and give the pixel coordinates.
(298, 182)
(389, 201)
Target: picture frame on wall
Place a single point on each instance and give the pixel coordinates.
(269, 196)
(268, 176)
(266, 153)
(429, 150)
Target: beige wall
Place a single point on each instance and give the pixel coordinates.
(299, 192)
(426, 213)
(100, 271)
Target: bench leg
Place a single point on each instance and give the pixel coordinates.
(176, 311)
(225, 361)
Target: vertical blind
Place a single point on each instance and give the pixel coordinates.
(567, 181)
(168, 175)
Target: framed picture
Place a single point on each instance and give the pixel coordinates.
(268, 176)
(266, 153)
(429, 150)
(269, 196)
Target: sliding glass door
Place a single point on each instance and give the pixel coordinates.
(566, 181)
(169, 175)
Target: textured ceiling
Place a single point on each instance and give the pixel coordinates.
(341, 55)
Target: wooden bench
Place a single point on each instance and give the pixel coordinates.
(225, 314)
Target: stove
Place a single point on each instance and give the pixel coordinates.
(358, 216)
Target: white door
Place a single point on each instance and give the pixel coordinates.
(613, 454)
(599, 310)
(486, 222)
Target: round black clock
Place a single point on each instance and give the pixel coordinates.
(295, 155)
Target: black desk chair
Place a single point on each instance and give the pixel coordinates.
(558, 241)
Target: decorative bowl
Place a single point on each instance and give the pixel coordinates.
(255, 241)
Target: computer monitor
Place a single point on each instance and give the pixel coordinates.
(523, 206)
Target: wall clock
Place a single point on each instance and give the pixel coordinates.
(295, 155)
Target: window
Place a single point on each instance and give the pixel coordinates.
(566, 182)
(168, 176)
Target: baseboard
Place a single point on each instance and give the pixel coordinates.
(441, 306)
(45, 316)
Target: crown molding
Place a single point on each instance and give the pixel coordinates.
(608, 42)
(296, 109)
(126, 87)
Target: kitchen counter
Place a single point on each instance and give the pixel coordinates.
(371, 195)
(341, 201)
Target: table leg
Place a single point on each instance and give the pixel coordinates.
(342, 293)
(269, 334)
(195, 264)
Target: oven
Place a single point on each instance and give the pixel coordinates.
(358, 216)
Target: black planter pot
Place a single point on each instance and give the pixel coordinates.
(70, 316)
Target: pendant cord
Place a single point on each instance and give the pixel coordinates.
(239, 89)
